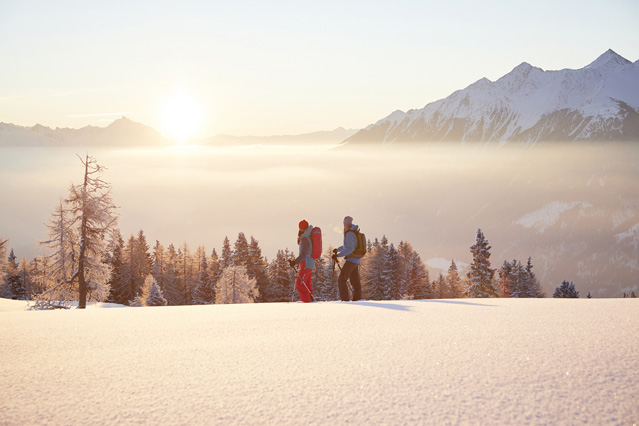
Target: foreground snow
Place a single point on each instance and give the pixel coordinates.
(496, 361)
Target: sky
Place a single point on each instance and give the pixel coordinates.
(196, 69)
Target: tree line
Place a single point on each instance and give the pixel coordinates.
(90, 260)
(139, 274)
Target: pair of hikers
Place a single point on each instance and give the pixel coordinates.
(349, 272)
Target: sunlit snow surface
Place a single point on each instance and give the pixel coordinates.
(467, 361)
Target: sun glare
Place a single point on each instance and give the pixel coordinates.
(181, 116)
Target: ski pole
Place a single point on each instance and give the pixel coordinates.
(348, 281)
(305, 286)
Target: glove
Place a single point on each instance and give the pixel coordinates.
(292, 263)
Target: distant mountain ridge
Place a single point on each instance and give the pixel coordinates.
(599, 102)
(124, 132)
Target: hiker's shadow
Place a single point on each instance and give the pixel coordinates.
(407, 308)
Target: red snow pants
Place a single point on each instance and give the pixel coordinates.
(303, 283)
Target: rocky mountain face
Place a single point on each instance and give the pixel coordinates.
(599, 102)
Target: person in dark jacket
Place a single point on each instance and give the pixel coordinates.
(350, 270)
(306, 262)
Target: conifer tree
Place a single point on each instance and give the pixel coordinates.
(186, 277)
(15, 279)
(280, 282)
(481, 275)
(517, 280)
(566, 290)
(136, 302)
(4, 287)
(226, 258)
(414, 275)
(453, 281)
(62, 262)
(241, 251)
(325, 277)
(129, 282)
(39, 270)
(440, 287)
(257, 266)
(116, 261)
(136, 266)
(235, 286)
(170, 284)
(154, 296)
(214, 268)
(533, 288)
(205, 289)
(390, 275)
(92, 212)
(158, 260)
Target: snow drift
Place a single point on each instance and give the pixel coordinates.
(464, 361)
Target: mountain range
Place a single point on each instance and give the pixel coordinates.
(599, 102)
(124, 132)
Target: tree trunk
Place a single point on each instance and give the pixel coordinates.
(82, 290)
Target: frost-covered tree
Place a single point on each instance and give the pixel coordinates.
(453, 281)
(170, 283)
(15, 279)
(115, 260)
(566, 290)
(214, 267)
(4, 287)
(136, 302)
(414, 278)
(89, 217)
(205, 289)
(440, 287)
(235, 286)
(129, 282)
(379, 271)
(257, 266)
(63, 260)
(136, 265)
(142, 261)
(281, 279)
(325, 277)
(226, 258)
(480, 276)
(154, 293)
(517, 280)
(187, 273)
(93, 214)
(241, 250)
(533, 287)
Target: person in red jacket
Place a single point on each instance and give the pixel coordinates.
(306, 262)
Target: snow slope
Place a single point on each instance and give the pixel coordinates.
(466, 361)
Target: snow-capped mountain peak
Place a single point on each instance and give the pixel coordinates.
(609, 58)
(597, 102)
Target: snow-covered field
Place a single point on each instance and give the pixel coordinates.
(465, 361)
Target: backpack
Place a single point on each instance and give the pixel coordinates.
(360, 248)
(316, 243)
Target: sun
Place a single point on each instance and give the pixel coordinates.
(181, 116)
